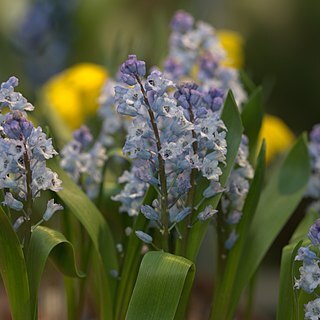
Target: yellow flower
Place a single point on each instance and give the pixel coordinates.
(277, 134)
(232, 42)
(73, 93)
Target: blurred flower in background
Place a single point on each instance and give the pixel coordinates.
(43, 38)
(278, 136)
(74, 93)
(232, 42)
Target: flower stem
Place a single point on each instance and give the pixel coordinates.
(162, 173)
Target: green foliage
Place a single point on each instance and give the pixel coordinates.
(224, 293)
(280, 197)
(164, 281)
(45, 242)
(13, 270)
(21, 278)
(98, 230)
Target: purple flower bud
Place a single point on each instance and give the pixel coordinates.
(144, 237)
(201, 112)
(83, 136)
(131, 69)
(13, 82)
(16, 126)
(174, 68)
(214, 99)
(150, 213)
(182, 215)
(187, 94)
(314, 233)
(208, 65)
(182, 21)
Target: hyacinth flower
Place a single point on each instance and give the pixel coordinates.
(24, 151)
(175, 136)
(84, 162)
(196, 52)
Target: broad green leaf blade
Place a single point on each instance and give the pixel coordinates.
(224, 293)
(231, 118)
(13, 271)
(93, 221)
(46, 242)
(247, 82)
(279, 199)
(251, 117)
(164, 280)
(132, 261)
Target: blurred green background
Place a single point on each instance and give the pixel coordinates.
(282, 48)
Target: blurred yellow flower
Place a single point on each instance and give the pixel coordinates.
(232, 42)
(73, 93)
(277, 134)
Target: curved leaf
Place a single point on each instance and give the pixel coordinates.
(45, 242)
(279, 199)
(164, 281)
(13, 270)
(132, 261)
(95, 224)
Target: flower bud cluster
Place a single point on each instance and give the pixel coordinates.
(84, 162)
(237, 188)
(24, 150)
(309, 279)
(195, 53)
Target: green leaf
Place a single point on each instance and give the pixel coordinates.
(279, 199)
(248, 84)
(224, 293)
(45, 242)
(251, 117)
(231, 118)
(164, 281)
(93, 221)
(286, 291)
(132, 261)
(13, 270)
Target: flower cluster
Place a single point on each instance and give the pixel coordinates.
(113, 124)
(84, 162)
(24, 150)
(195, 52)
(309, 279)
(176, 133)
(313, 190)
(237, 188)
